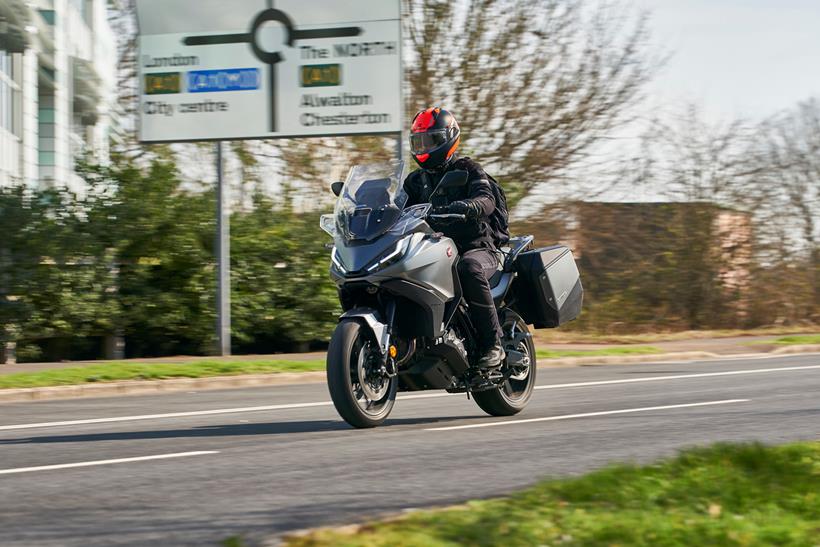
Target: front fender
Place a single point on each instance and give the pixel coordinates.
(373, 320)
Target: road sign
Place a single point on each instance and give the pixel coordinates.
(213, 70)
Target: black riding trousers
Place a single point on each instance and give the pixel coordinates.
(474, 271)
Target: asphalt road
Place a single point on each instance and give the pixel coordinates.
(195, 468)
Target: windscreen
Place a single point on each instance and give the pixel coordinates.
(371, 201)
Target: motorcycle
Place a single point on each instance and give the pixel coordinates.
(405, 325)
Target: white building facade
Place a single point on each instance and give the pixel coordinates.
(57, 82)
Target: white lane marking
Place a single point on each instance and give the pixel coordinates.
(160, 416)
(410, 396)
(588, 415)
(426, 395)
(105, 462)
(751, 357)
(677, 377)
(194, 413)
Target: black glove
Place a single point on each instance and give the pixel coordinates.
(468, 208)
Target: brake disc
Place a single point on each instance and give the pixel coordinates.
(374, 386)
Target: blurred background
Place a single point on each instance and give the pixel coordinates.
(673, 145)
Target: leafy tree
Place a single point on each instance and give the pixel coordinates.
(164, 246)
(282, 294)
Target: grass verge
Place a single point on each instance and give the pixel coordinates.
(112, 371)
(798, 339)
(117, 371)
(744, 495)
(631, 350)
(125, 370)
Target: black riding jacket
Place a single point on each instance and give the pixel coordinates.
(469, 234)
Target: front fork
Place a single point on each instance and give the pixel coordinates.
(390, 362)
(385, 363)
(388, 365)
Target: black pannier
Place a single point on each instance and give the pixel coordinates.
(549, 291)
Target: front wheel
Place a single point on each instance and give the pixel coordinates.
(363, 396)
(513, 395)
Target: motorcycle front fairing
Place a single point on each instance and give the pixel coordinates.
(380, 245)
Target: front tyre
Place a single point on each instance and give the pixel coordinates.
(513, 395)
(363, 397)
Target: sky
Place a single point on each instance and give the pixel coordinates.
(736, 58)
(747, 59)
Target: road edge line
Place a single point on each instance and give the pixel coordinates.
(174, 385)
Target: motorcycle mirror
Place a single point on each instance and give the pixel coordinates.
(336, 187)
(453, 179)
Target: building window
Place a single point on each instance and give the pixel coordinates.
(48, 16)
(8, 89)
(46, 115)
(46, 158)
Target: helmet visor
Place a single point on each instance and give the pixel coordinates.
(424, 143)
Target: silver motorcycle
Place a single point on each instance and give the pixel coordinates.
(405, 325)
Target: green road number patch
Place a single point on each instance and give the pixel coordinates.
(320, 75)
(163, 83)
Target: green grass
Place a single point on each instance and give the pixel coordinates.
(117, 371)
(631, 350)
(733, 495)
(125, 370)
(798, 339)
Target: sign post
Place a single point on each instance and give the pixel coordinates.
(223, 262)
(212, 70)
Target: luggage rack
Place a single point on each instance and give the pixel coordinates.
(517, 244)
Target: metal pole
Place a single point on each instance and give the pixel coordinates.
(8, 344)
(223, 261)
(400, 136)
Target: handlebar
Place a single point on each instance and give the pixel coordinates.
(448, 216)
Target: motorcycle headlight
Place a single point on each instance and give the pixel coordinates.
(392, 256)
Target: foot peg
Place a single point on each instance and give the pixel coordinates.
(484, 380)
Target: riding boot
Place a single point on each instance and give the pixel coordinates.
(492, 358)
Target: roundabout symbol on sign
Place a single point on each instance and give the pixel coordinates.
(271, 58)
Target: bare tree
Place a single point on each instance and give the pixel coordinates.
(122, 16)
(758, 187)
(534, 83)
(793, 151)
(790, 160)
(689, 159)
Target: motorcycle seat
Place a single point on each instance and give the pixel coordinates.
(496, 278)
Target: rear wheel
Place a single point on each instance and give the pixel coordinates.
(363, 396)
(513, 395)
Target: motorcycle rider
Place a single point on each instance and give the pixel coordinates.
(434, 140)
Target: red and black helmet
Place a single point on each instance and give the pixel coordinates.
(434, 138)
